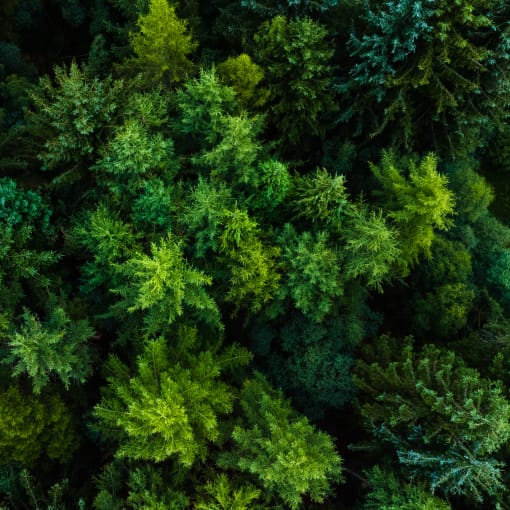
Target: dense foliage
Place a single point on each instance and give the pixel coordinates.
(254, 254)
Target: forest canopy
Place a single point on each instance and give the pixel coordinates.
(254, 254)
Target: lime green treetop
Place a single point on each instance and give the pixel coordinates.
(163, 44)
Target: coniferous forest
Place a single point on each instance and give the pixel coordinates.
(254, 254)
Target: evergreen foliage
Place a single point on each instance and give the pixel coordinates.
(386, 493)
(220, 495)
(418, 203)
(244, 76)
(312, 274)
(56, 346)
(172, 405)
(296, 58)
(34, 426)
(300, 176)
(418, 56)
(371, 246)
(163, 44)
(288, 456)
(443, 418)
(76, 110)
(164, 285)
(321, 197)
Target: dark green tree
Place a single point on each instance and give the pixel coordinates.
(433, 73)
(313, 278)
(442, 417)
(296, 58)
(34, 426)
(386, 493)
(71, 115)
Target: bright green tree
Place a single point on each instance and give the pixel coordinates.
(203, 215)
(275, 185)
(163, 44)
(284, 452)
(133, 150)
(321, 197)
(165, 286)
(251, 263)
(387, 493)
(55, 346)
(418, 202)
(222, 494)
(202, 103)
(171, 407)
(110, 242)
(233, 158)
(244, 76)
(371, 246)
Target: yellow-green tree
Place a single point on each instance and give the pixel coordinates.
(162, 44)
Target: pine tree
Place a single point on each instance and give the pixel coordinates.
(72, 114)
(443, 419)
(295, 56)
(244, 76)
(164, 285)
(432, 74)
(56, 346)
(202, 103)
(286, 454)
(162, 44)
(418, 203)
(34, 426)
(313, 277)
(221, 494)
(321, 198)
(172, 405)
(251, 263)
(386, 493)
(371, 246)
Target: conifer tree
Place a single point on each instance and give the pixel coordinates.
(443, 419)
(221, 494)
(434, 73)
(244, 76)
(34, 426)
(72, 114)
(163, 44)
(252, 264)
(172, 405)
(164, 285)
(55, 346)
(371, 246)
(418, 202)
(386, 493)
(313, 277)
(295, 56)
(284, 452)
